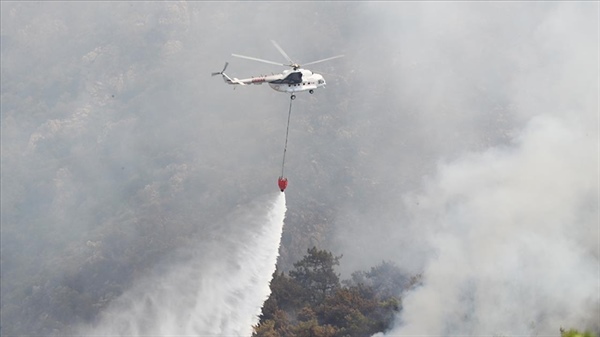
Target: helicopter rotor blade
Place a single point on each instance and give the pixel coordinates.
(282, 52)
(259, 60)
(323, 60)
(222, 71)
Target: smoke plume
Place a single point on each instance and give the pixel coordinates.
(513, 237)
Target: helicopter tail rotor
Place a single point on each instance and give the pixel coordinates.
(226, 77)
(222, 72)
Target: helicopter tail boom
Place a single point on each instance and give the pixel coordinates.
(226, 78)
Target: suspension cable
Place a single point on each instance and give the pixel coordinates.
(287, 131)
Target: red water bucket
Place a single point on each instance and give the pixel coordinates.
(282, 182)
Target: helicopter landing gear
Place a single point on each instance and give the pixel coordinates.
(311, 91)
(293, 97)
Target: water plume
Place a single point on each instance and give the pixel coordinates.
(217, 290)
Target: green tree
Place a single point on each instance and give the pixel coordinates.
(316, 274)
(312, 328)
(286, 294)
(266, 329)
(318, 306)
(356, 311)
(575, 333)
(278, 326)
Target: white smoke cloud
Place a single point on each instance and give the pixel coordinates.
(515, 235)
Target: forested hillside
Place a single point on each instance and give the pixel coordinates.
(456, 141)
(311, 300)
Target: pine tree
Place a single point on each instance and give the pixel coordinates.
(316, 274)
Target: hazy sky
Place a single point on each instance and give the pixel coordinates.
(451, 138)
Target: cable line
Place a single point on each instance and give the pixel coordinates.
(287, 131)
(282, 181)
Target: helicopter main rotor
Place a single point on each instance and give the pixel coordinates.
(294, 65)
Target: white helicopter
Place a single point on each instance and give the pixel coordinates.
(289, 81)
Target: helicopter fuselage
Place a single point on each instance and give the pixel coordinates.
(289, 81)
(298, 80)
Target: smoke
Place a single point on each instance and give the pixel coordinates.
(503, 219)
(460, 77)
(196, 296)
(513, 236)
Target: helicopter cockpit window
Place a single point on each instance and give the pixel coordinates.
(321, 81)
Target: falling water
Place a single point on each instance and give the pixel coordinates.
(217, 291)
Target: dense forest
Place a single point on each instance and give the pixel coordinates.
(310, 300)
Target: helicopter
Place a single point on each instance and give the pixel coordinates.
(289, 81)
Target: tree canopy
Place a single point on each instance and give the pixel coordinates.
(311, 300)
